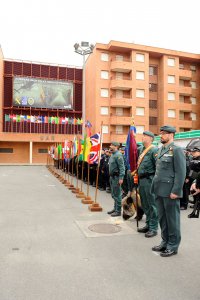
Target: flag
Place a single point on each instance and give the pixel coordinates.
(7, 118)
(88, 126)
(86, 147)
(59, 151)
(95, 148)
(131, 151)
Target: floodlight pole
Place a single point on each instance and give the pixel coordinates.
(84, 49)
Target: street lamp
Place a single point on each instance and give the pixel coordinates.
(84, 49)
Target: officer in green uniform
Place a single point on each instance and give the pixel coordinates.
(146, 171)
(116, 172)
(167, 186)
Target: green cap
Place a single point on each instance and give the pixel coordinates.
(115, 144)
(168, 128)
(149, 133)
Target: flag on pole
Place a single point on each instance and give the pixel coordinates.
(95, 148)
(131, 151)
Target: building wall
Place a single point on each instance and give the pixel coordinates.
(40, 157)
(20, 153)
(1, 87)
(122, 59)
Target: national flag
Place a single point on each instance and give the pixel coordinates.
(59, 151)
(131, 151)
(86, 147)
(7, 118)
(95, 148)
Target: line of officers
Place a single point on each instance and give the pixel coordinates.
(167, 176)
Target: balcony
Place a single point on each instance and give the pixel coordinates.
(120, 84)
(121, 102)
(185, 90)
(185, 107)
(120, 120)
(185, 74)
(185, 123)
(121, 66)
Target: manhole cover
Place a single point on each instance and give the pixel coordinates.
(104, 228)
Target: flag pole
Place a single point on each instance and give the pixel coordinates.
(95, 206)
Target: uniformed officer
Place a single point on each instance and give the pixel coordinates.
(167, 186)
(146, 171)
(116, 172)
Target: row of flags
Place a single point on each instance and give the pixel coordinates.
(87, 149)
(45, 120)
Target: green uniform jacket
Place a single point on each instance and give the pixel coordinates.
(170, 171)
(116, 165)
(148, 164)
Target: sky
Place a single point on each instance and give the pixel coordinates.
(45, 31)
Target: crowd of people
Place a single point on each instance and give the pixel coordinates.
(166, 177)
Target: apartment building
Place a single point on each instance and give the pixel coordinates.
(151, 85)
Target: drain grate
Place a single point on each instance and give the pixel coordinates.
(105, 228)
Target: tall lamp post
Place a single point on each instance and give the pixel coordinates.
(83, 49)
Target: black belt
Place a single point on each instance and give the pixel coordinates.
(146, 175)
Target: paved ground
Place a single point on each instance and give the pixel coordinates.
(47, 253)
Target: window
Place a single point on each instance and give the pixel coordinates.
(140, 93)
(104, 110)
(181, 66)
(140, 129)
(171, 79)
(193, 116)
(119, 94)
(193, 68)
(139, 57)
(153, 70)
(119, 57)
(119, 129)
(140, 75)
(105, 129)
(119, 111)
(181, 115)
(152, 87)
(104, 74)
(193, 84)
(171, 96)
(119, 76)
(171, 62)
(104, 93)
(181, 98)
(139, 111)
(171, 113)
(194, 100)
(42, 150)
(152, 120)
(153, 104)
(181, 82)
(6, 150)
(104, 57)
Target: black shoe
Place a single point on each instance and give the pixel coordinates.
(111, 211)
(168, 253)
(150, 233)
(143, 229)
(159, 248)
(193, 216)
(115, 214)
(101, 189)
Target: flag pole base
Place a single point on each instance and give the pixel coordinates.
(87, 200)
(71, 187)
(80, 195)
(75, 191)
(95, 207)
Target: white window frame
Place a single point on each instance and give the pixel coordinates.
(171, 62)
(104, 57)
(104, 74)
(140, 57)
(119, 111)
(119, 76)
(193, 100)
(140, 111)
(105, 129)
(193, 116)
(119, 57)
(171, 79)
(193, 84)
(171, 96)
(169, 113)
(104, 110)
(119, 129)
(140, 129)
(140, 93)
(104, 93)
(119, 94)
(140, 75)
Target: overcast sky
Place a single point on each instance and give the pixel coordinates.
(46, 31)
